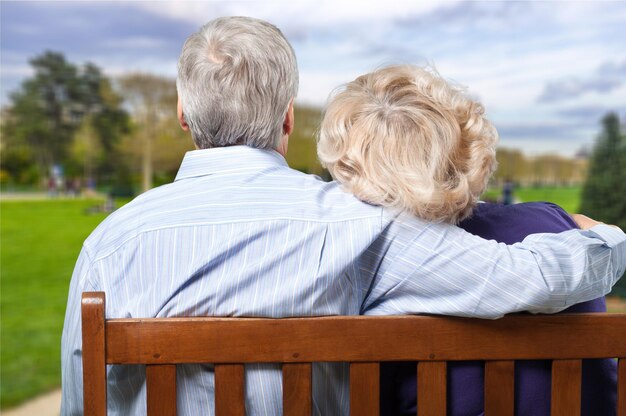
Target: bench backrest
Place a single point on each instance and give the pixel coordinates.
(364, 342)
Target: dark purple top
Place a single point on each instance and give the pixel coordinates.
(508, 224)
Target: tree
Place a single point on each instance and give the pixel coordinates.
(51, 107)
(42, 114)
(102, 110)
(512, 165)
(151, 101)
(86, 147)
(604, 192)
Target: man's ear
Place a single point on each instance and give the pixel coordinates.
(181, 116)
(289, 120)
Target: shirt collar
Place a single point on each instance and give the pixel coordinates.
(227, 159)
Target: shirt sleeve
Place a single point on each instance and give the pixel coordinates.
(441, 269)
(71, 340)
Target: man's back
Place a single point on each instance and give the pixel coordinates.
(256, 239)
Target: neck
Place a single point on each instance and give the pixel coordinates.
(282, 146)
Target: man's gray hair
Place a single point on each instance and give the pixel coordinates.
(236, 78)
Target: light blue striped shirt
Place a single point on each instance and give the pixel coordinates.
(239, 233)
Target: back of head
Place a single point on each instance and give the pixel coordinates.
(403, 137)
(236, 78)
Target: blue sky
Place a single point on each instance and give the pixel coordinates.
(545, 71)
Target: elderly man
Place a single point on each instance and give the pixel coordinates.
(239, 233)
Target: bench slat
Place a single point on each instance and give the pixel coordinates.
(297, 389)
(229, 390)
(161, 390)
(431, 388)
(566, 382)
(94, 365)
(621, 389)
(499, 388)
(362, 339)
(364, 389)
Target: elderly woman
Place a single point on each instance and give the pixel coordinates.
(404, 138)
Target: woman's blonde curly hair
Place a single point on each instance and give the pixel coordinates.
(405, 138)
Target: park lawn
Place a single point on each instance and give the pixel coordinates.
(40, 243)
(567, 197)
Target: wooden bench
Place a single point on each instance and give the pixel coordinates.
(364, 342)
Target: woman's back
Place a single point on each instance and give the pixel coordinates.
(508, 224)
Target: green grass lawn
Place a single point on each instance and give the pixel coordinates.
(40, 241)
(567, 197)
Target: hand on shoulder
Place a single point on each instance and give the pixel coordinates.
(585, 223)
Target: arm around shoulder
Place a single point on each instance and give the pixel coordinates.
(442, 269)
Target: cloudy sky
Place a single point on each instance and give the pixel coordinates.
(546, 71)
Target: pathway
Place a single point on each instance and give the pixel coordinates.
(48, 404)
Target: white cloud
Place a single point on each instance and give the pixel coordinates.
(132, 42)
(307, 13)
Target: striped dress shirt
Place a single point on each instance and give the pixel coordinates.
(239, 233)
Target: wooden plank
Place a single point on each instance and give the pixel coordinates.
(431, 388)
(364, 389)
(621, 387)
(566, 379)
(499, 388)
(229, 390)
(297, 389)
(161, 390)
(94, 366)
(364, 339)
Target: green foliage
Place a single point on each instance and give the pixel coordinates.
(542, 170)
(604, 193)
(43, 111)
(49, 108)
(302, 152)
(41, 241)
(19, 165)
(151, 145)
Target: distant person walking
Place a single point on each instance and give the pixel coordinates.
(52, 187)
(507, 192)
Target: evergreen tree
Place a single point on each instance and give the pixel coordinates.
(604, 192)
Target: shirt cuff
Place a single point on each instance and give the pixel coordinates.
(610, 235)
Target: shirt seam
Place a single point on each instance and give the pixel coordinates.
(91, 267)
(136, 235)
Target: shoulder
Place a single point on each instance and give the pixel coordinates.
(316, 199)
(512, 223)
(541, 208)
(279, 195)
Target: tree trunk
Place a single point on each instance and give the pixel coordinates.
(147, 152)
(147, 159)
